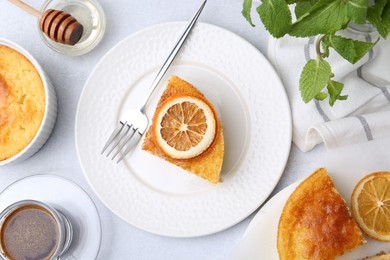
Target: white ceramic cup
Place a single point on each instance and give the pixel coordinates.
(50, 114)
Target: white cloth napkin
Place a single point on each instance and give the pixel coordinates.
(364, 116)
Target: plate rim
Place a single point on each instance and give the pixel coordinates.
(284, 193)
(287, 190)
(289, 132)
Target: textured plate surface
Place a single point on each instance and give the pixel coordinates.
(159, 197)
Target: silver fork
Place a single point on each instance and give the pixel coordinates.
(133, 125)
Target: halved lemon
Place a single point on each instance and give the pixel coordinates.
(370, 204)
(185, 127)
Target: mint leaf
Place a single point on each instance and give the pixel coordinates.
(246, 11)
(385, 15)
(379, 16)
(302, 8)
(325, 46)
(379, 6)
(321, 96)
(296, 1)
(314, 77)
(276, 17)
(334, 89)
(357, 10)
(375, 19)
(349, 49)
(325, 17)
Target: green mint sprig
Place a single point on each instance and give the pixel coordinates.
(323, 18)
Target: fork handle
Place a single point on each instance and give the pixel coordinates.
(173, 54)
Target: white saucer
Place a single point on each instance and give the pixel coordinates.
(71, 200)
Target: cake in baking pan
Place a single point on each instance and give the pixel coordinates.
(22, 102)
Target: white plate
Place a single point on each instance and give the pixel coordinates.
(70, 199)
(159, 197)
(347, 166)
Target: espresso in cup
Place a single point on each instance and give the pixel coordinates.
(32, 230)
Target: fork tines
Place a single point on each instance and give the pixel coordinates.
(120, 141)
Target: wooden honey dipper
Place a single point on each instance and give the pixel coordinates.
(56, 24)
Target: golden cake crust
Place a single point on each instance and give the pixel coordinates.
(206, 165)
(22, 102)
(316, 222)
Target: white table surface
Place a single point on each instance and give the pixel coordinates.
(121, 240)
